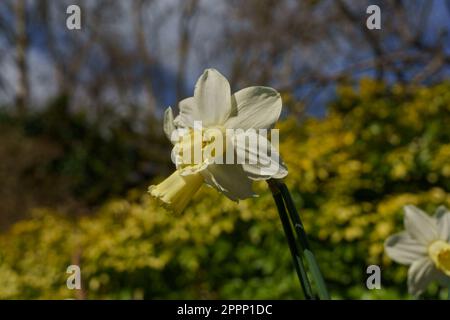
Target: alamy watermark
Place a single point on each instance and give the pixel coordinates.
(200, 146)
(73, 21)
(374, 280)
(74, 280)
(373, 22)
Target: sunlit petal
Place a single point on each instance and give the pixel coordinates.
(260, 160)
(213, 98)
(443, 223)
(230, 179)
(188, 113)
(257, 108)
(420, 274)
(420, 225)
(403, 249)
(169, 126)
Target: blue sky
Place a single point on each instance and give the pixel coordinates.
(207, 31)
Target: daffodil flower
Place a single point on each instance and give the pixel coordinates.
(425, 246)
(219, 113)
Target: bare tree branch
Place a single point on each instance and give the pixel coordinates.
(23, 91)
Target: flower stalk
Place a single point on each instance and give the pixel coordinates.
(300, 249)
(293, 246)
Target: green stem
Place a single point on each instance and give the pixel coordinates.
(310, 258)
(303, 240)
(296, 257)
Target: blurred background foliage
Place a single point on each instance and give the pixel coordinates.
(54, 156)
(81, 139)
(378, 148)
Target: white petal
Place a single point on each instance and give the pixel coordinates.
(257, 108)
(169, 126)
(188, 113)
(229, 179)
(443, 223)
(259, 159)
(213, 98)
(420, 274)
(403, 249)
(420, 225)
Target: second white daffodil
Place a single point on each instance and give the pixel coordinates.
(425, 246)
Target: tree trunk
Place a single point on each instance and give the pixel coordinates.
(22, 94)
